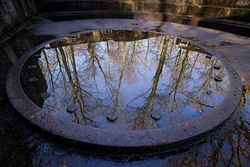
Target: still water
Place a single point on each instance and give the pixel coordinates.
(126, 80)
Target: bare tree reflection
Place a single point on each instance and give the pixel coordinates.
(97, 72)
(143, 119)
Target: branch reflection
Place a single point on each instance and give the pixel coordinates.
(140, 80)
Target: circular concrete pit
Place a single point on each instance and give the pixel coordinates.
(126, 83)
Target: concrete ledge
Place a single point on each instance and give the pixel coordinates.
(130, 139)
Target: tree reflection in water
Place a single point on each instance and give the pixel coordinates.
(228, 146)
(131, 75)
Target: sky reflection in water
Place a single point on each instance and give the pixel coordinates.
(130, 80)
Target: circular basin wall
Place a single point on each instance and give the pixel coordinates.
(124, 88)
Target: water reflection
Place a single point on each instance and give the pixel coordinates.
(129, 80)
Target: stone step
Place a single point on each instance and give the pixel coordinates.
(166, 8)
(61, 16)
(236, 27)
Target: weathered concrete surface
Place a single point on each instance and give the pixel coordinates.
(46, 152)
(214, 42)
(18, 143)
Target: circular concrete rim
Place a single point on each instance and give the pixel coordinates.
(124, 139)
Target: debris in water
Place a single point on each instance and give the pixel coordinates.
(156, 116)
(112, 116)
(218, 79)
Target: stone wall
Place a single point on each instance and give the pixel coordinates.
(223, 3)
(182, 11)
